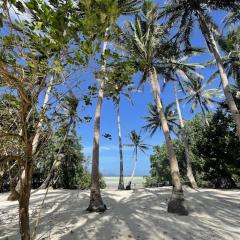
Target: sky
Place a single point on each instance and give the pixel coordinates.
(132, 118)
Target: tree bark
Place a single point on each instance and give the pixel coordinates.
(26, 168)
(121, 182)
(96, 203)
(212, 45)
(38, 128)
(133, 172)
(175, 205)
(185, 141)
(52, 173)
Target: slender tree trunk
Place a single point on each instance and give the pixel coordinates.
(96, 203)
(212, 45)
(38, 128)
(52, 172)
(175, 205)
(121, 182)
(185, 141)
(204, 114)
(129, 186)
(14, 195)
(26, 168)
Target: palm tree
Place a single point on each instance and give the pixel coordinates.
(108, 11)
(119, 84)
(199, 94)
(185, 139)
(183, 13)
(154, 122)
(137, 144)
(145, 45)
(70, 105)
(231, 61)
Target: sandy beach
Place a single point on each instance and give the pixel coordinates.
(138, 214)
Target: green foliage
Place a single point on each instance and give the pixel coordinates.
(154, 122)
(214, 149)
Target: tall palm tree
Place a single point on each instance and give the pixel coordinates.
(145, 44)
(137, 144)
(119, 84)
(199, 94)
(109, 12)
(183, 13)
(185, 139)
(70, 105)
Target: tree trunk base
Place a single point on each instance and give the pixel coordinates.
(176, 204)
(121, 186)
(14, 195)
(96, 203)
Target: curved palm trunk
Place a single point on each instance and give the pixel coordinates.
(121, 182)
(212, 45)
(185, 141)
(96, 203)
(52, 172)
(175, 205)
(128, 187)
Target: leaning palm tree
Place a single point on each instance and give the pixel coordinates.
(184, 71)
(199, 94)
(137, 144)
(108, 13)
(145, 44)
(67, 118)
(183, 14)
(230, 46)
(185, 138)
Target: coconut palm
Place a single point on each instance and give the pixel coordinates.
(199, 94)
(230, 45)
(183, 14)
(108, 12)
(120, 84)
(137, 144)
(145, 44)
(184, 71)
(69, 113)
(154, 122)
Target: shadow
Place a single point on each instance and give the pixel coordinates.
(136, 214)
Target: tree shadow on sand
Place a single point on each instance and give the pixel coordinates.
(139, 214)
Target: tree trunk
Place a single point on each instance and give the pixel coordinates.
(96, 203)
(38, 128)
(185, 141)
(121, 182)
(26, 169)
(175, 205)
(212, 45)
(24, 197)
(128, 187)
(203, 112)
(14, 195)
(52, 173)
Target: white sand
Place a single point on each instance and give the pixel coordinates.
(139, 214)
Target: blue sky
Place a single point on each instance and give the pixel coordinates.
(132, 118)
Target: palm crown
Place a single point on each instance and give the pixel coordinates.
(154, 122)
